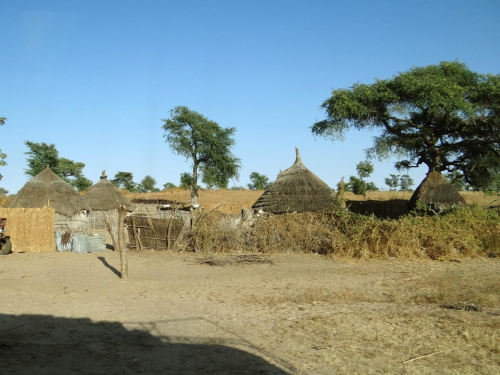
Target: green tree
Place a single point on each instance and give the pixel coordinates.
(186, 180)
(190, 134)
(81, 183)
(169, 186)
(211, 179)
(358, 185)
(392, 181)
(41, 155)
(405, 182)
(258, 181)
(444, 116)
(125, 180)
(148, 184)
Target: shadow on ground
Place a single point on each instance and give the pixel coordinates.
(41, 344)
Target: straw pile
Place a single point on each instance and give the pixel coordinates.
(437, 193)
(30, 229)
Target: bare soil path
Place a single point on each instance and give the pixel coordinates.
(303, 314)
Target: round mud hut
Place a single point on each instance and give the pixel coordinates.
(47, 189)
(296, 189)
(436, 193)
(104, 198)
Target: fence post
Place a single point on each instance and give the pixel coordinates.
(121, 244)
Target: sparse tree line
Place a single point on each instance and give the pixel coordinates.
(443, 116)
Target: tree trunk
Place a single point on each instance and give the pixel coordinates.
(121, 243)
(194, 186)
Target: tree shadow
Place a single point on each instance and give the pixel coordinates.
(42, 344)
(105, 262)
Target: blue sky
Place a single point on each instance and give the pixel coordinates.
(96, 78)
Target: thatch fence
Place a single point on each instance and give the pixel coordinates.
(30, 229)
(390, 209)
(152, 233)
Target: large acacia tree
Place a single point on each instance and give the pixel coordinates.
(444, 116)
(190, 134)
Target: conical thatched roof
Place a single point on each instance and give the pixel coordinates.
(105, 196)
(48, 189)
(437, 192)
(296, 189)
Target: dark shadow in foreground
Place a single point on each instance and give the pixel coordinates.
(105, 262)
(41, 344)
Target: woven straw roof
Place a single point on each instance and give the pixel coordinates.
(48, 189)
(437, 192)
(105, 196)
(296, 189)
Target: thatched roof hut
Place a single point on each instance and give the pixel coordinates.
(296, 189)
(437, 193)
(48, 189)
(105, 196)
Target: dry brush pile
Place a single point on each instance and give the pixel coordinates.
(464, 232)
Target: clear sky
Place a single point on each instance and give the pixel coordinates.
(96, 78)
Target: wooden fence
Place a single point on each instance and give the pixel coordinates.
(152, 233)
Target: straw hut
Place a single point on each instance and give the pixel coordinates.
(437, 193)
(104, 198)
(296, 189)
(47, 189)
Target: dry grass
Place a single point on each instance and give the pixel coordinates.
(411, 313)
(466, 232)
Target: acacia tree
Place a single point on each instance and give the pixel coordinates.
(444, 116)
(190, 134)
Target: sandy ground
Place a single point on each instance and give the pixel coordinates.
(69, 313)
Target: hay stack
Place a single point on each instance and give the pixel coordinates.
(47, 189)
(437, 193)
(105, 196)
(296, 189)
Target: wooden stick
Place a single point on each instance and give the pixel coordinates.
(431, 354)
(111, 230)
(121, 244)
(136, 234)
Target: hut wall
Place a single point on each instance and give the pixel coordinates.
(30, 229)
(97, 219)
(76, 223)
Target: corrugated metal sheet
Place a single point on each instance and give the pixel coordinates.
(79, 243)
(60, 246)
(96, 243)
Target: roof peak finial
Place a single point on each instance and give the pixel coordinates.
(297, 153)
(103, 176)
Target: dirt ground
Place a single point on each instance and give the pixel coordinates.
(69, 313)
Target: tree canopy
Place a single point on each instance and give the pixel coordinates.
(205, 143)
(41, 155)
(258, 181)
(444, 116)
(125, 180)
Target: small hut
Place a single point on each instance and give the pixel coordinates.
(296, 189)
(437, 193)
(104, 198)
(47, 189)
